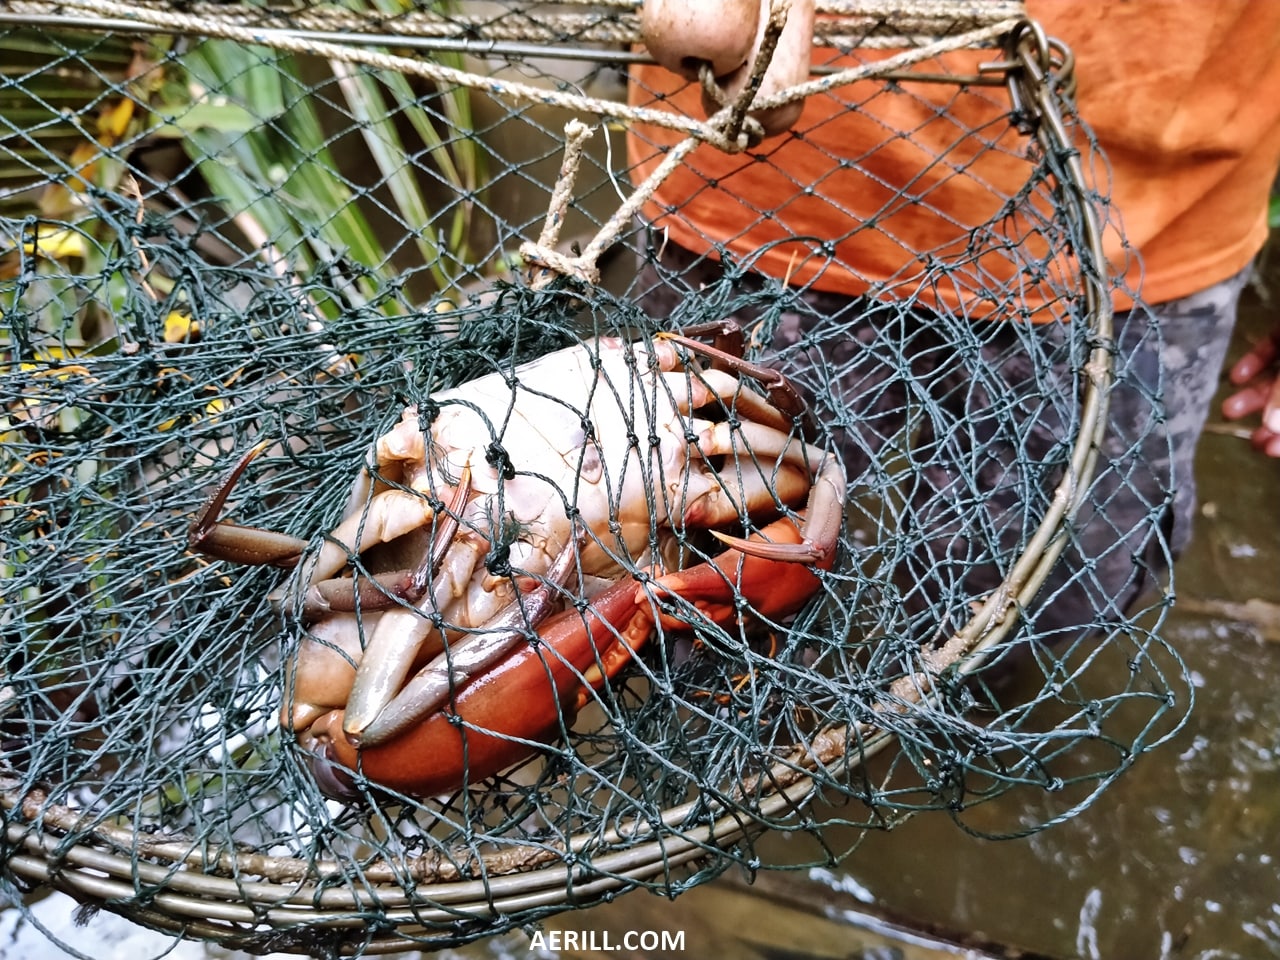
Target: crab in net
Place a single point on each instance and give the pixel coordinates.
(510, 544)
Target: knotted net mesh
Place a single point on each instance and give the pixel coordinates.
(221, 231)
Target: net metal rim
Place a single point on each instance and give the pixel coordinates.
(208, 895)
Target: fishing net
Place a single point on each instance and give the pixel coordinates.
(270, 235)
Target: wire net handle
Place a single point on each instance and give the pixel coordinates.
(708, 131)
(878, 23)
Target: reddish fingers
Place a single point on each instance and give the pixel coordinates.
(1258, 374)
(1257, 359)
(1266, 442)
(1260, 397)
(1244, 402)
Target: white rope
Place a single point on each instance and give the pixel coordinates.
(712, 131)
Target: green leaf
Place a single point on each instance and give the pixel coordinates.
(222, 117)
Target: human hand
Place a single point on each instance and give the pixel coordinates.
(1258, 374)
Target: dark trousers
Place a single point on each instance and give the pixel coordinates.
(955, 436)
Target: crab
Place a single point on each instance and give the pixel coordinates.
(511, 543)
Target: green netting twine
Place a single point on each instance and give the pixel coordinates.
(143, 682)
(144, 765)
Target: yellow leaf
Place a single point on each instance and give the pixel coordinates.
(114, 120)
(56, 244)
(180, 328)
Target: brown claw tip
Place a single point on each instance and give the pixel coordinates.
(780, 552)
(207, 518)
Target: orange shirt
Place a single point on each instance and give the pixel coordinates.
(1183, 95)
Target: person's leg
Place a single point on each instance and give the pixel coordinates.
(1136, 514)
(989, 438)
(1196, 331)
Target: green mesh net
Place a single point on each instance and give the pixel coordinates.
(214, 242)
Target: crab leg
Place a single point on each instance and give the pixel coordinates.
(324, 667)
(824, 511)
(230, 541)
(394, 643)
(381, 591)
(782, 392)
(434, 683)
(319, 674)
(697, 388)
(824, 516)
(766, 433)
(390, 514)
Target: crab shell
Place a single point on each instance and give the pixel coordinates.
(597, 448)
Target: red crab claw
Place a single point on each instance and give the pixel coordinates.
(497, 718)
